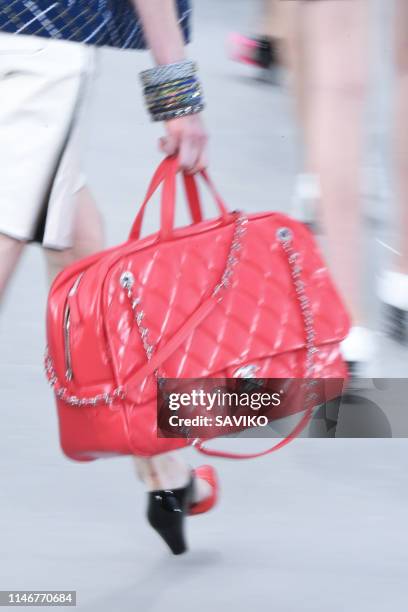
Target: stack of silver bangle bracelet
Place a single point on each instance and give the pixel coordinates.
(172, 91)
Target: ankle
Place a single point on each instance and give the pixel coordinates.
(163, 472)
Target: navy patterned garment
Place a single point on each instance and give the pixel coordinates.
(97, 22)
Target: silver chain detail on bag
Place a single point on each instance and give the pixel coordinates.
(285, 237)
(63, 394)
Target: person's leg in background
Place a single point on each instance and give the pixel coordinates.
(401, 130)
(272, 22)
(306, 194)
(336, 46)
(293, 55)
(393, 285)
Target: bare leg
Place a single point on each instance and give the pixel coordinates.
(273, 22)
(10, 253)
(294, 57)
(88, 235)
(167, 471)
(401, 130)
(336, 45)
(306, 193)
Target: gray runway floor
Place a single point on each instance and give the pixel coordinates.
(321, 525)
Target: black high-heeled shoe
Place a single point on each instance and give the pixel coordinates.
(166, 511)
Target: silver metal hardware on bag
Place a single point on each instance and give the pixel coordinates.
(62, 392)
(67, 342)
(246, 371)
(67, 331)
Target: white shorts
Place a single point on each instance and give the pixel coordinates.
(41, 87)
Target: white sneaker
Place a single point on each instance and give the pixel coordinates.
(393, 289)
(393, 292)
(306, 194)
(358, 350)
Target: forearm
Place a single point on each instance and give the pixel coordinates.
(162, 31)
(173, 94)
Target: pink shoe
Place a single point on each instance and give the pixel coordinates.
(261, 51)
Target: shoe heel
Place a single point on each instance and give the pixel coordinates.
(174, 538)
(396, 323)
(166, 512)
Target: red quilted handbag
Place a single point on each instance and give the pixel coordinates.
(214, 299)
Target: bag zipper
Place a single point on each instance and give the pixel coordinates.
(69, 374)
(67, 347)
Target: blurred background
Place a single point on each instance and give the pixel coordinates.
(321, 525)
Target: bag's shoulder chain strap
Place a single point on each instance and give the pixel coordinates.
(285, 237)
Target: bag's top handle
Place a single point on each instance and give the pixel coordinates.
(166, 174)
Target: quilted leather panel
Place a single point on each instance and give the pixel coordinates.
(259, 317)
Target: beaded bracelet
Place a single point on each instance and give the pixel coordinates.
(172, 91)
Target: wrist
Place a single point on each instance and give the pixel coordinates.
(170, 56)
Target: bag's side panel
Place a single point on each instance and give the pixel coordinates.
(86, 432)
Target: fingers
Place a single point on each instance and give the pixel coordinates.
(202, 161)
(187, 138)
(192, 153)
(201, 164)
(169, 145)
(188, 153)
